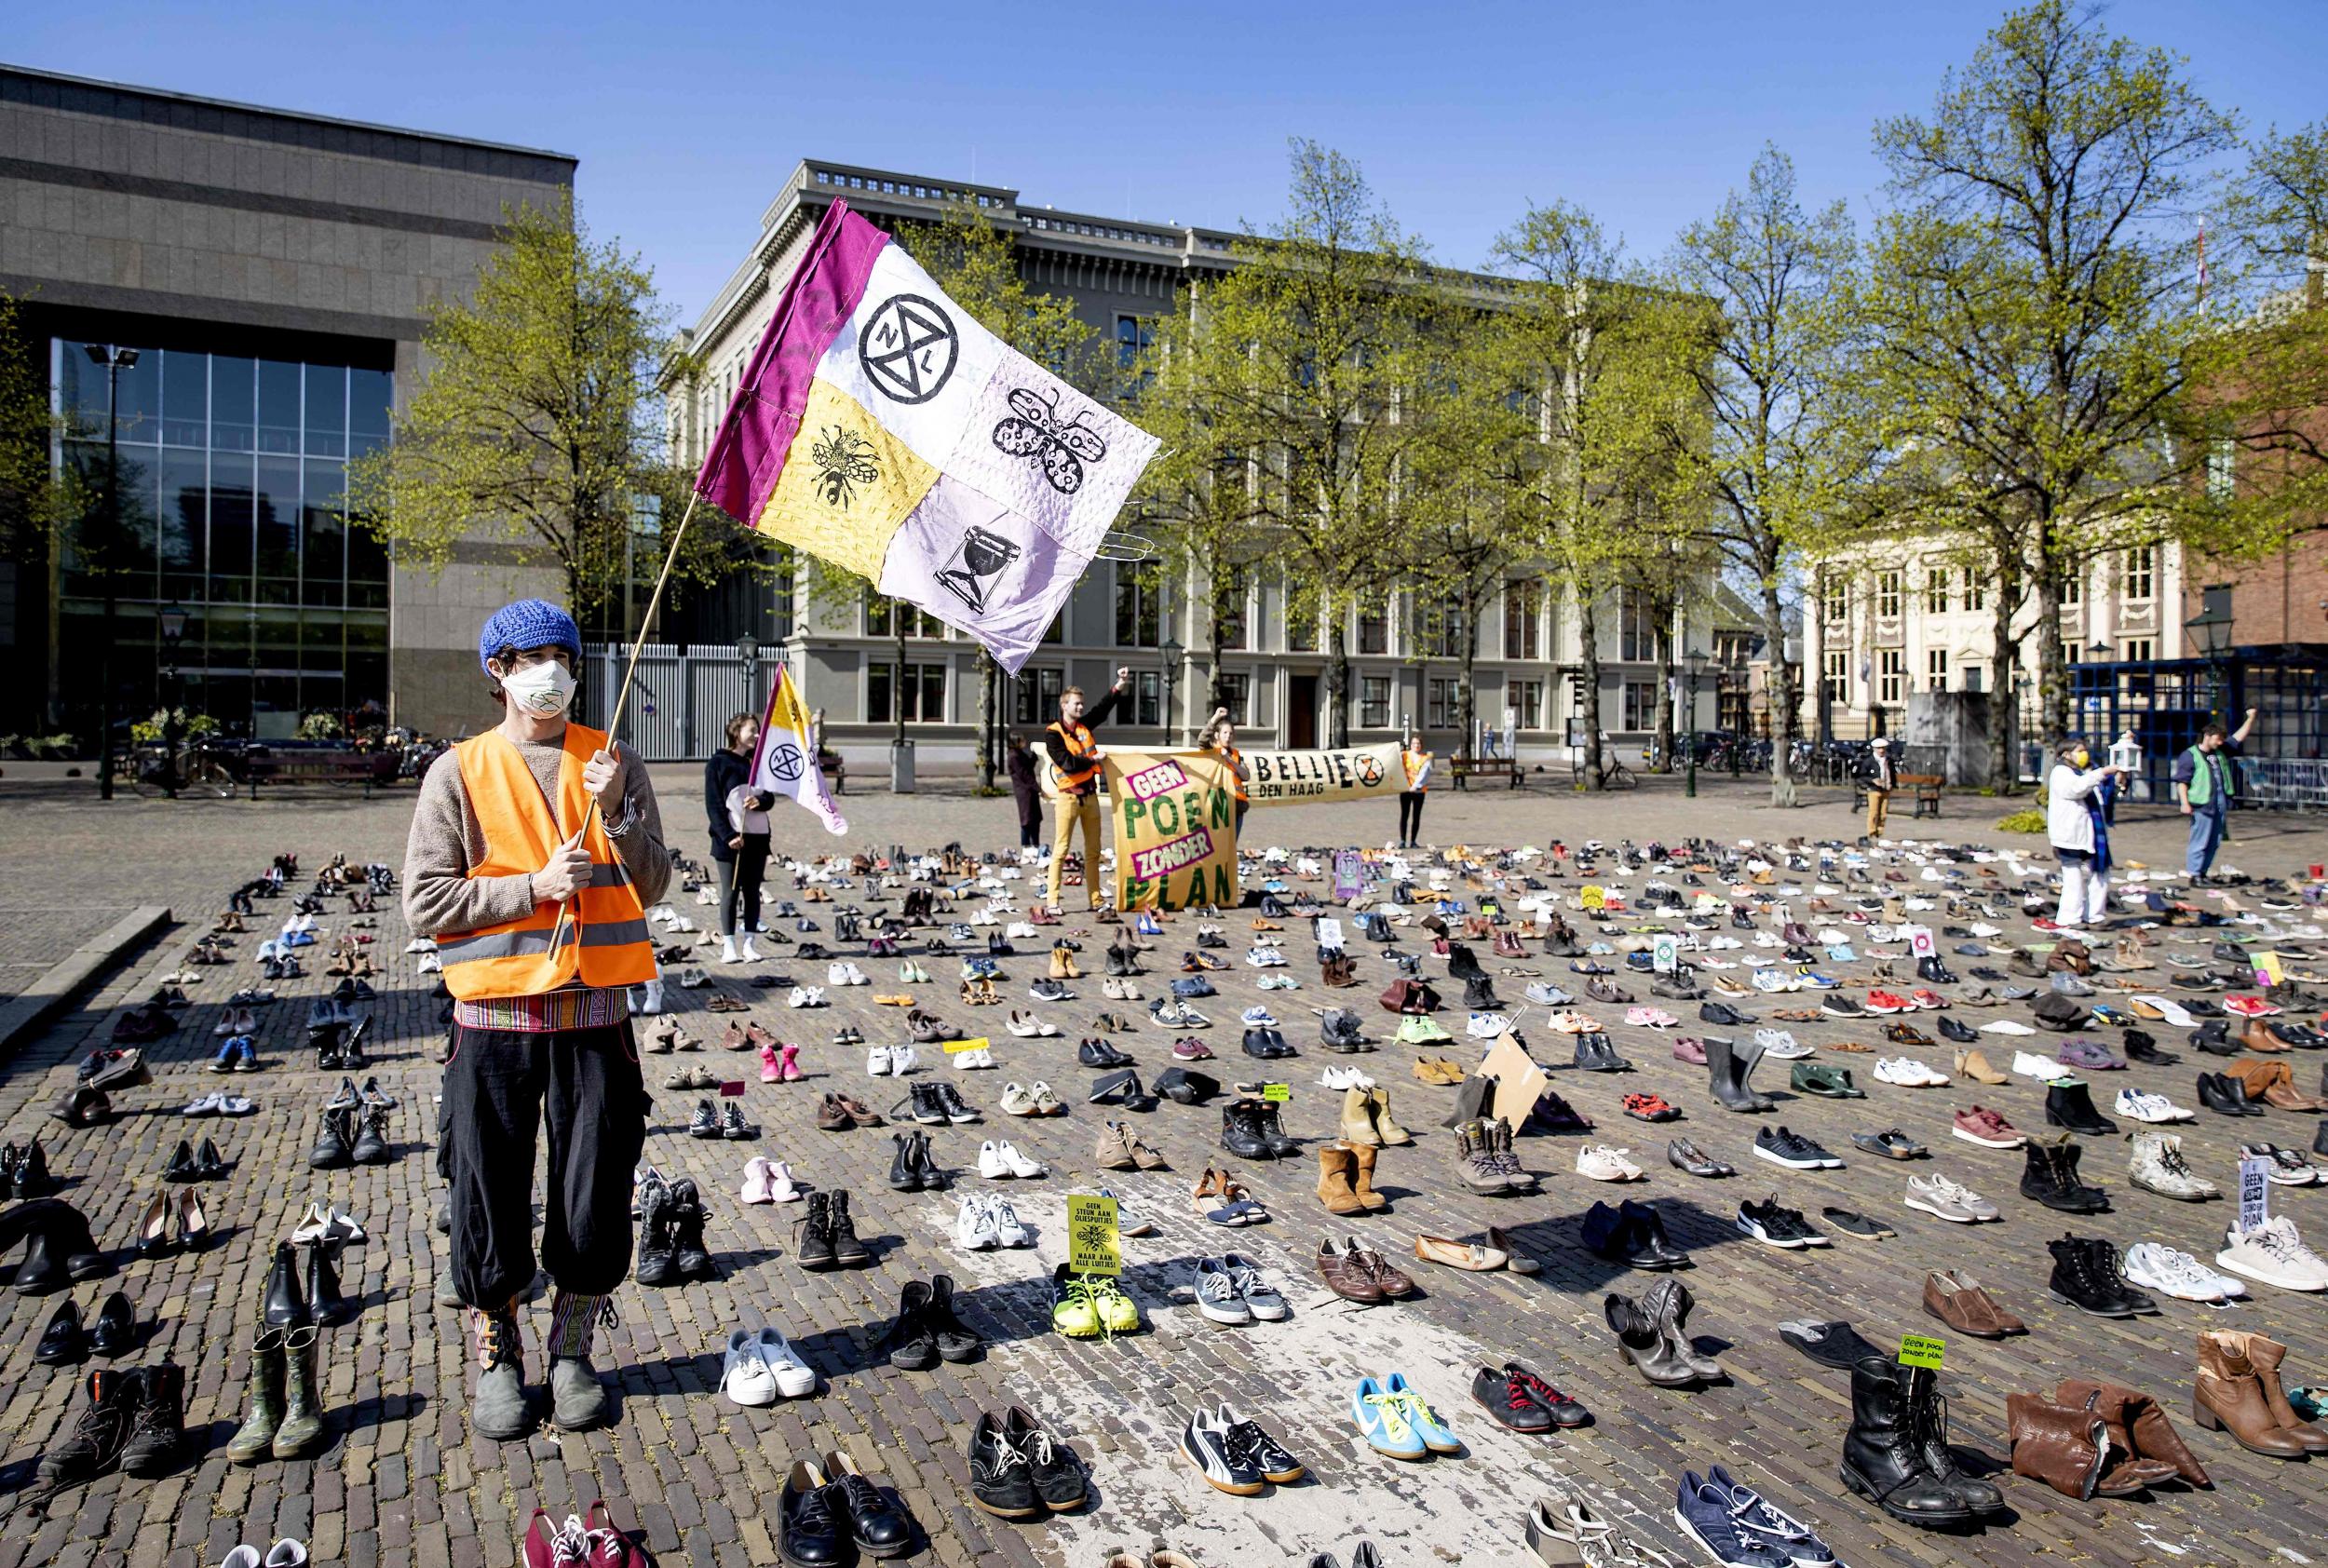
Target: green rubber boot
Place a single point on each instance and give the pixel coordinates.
(255, 1439)
(302, 1404)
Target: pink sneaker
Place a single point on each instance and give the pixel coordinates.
(768, 1074)
(788, 1068)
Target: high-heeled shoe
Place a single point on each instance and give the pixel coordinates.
(194, 1227)
(154, 1238)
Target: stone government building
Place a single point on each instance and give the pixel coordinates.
(270, 269)
(1119, 274)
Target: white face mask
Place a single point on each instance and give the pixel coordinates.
(541, 689)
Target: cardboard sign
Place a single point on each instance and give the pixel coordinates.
(956, 1047)
(1592, 895)
(2267, 970)
(1920, 1350)
(1175, 829)
(1094, 1244)
(2254, 1192)
(1665, 953)
(1349, 876)
(1277, 1094)
(1519, 1079)
(1329, 932)
(1920, 940)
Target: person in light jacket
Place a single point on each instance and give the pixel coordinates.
(2078, 796)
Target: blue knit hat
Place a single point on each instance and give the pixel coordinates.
(529, 623)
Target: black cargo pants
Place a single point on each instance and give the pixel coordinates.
(499, 1086)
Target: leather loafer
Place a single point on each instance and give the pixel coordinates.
(64, 1342)
(116, 1330)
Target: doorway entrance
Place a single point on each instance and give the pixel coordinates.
(1301, 716)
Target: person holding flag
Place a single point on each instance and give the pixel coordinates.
(535, 851)
(784, 761)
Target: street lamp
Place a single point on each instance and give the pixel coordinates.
(1172, 652)
(173, 621)
(115, 359)
(748, 646)
(1693, 662)
(2210, 631)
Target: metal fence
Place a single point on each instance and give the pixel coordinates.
(2282, 782)
(681, 699)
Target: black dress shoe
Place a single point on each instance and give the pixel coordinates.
(878, 1529)
(116, 1330)
(808, 1522)
(64, 1342)
(281, 1304)
(1100, 1053)
(182, 1166)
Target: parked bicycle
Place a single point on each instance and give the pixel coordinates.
(201, 764)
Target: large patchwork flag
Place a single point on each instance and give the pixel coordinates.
(881, 428)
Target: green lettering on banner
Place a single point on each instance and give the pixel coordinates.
(1095, 1243)
(1918, 1350)
(1160, 808)
(1134, 808)
(1221, 815)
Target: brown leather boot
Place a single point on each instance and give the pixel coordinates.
(2265, 1355)
(1337, 1164)
(2155, 1438)
(2126, 1469)
(1391, 1130)
(2227, 1395)
(1358, 1120)
(1362, 1183)
(2056, 1444)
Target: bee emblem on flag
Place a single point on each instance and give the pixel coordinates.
(843, 460)
(1062, 450)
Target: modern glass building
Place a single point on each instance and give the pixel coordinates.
(233, 511)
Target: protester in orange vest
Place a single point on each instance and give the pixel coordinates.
(1075, 756)
(538, 903)
(1219, 739)
(1416, 762)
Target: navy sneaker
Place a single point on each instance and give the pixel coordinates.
(1703, 1512)
(1779, 1530)
(224, 1059)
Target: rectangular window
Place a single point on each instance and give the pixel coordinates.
(2074, 585)
(2222, 471)
(1442, 708)
(1373, 629)
(1888, 594)
(1641, 705)
(1636, 626)
(1891, 675)
(1139, 608)
(1936, 669)
(880, 622)
(1132, 337)
(923, 692)
(2140, 572)
(1034, 697)
(2139, 649)
(1145, 706)
(1524, 619)
(1838, 674)
(1439, 631)
(1374, 702)
(1936, 591)
(1525, 698)
(1835, 600)
(1236, 599)
(1974, 678)
(1975, 590)
(2072, 654)
(1237, 696)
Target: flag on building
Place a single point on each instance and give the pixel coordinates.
(785, 761)
(879, 427)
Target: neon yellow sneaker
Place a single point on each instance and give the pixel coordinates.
(1119, 1311)
(1074, 1309)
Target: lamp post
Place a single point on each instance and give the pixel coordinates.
(2211, 630)
(173, 621)
(115, 359)
(1693, 663)
(1172, 652)
(748, 646)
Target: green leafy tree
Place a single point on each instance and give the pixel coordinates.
(538, 424)
(2033, 299)
(36, 498)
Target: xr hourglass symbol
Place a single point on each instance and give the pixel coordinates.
(980, 558)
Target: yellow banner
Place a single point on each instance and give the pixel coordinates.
(1175, 829)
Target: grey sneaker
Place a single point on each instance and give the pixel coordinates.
(577, 1399)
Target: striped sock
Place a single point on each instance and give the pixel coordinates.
(572, 1318)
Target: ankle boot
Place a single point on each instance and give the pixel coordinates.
(658, 1260)
(1640, 1343)
(2228, 1395)
(282, 1304)
(1386, 1126)
(302, 1404)
(2265, 1355)
(577, 1399)
(1358, 1120)
(1239, 1134)
(95, 1443)
(325, 1304)
(2078, 1280)
(692, 1258)
(933, 1177)
(157, 1420)
(1668, 1302)
(1883, 1461)
(1337, 1165)
(497, 1409)
(1363, 1179)
(2071, 1105)
(848, 1250)
(254, 1439)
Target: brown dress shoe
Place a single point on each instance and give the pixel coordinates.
(831, 1117)
(1347, 1277)
(862, 1114)
(1392, 1280)
(1966, 1307)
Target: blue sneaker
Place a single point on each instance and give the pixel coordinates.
(224, 1059)
(1824, 983)
(1702, 1511)
(1775, 1529)
(1381, 1419)
(1419, 1415)
(245, 1054)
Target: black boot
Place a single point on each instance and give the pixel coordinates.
(1478, 994)
(43, 1272)
(371, 1145)
(814, 1248)
(691, 1256)
(1240, 1133)
(1883, 1460)
(903, 1177)
(98, 1433)
(29, 1170)
(657, 1261)
(282, 1305)
(157, 1420)
(2071, 1105)
(325, 1304)
(335, 1144)
(957, 1341)
(1722, 1078)
(913, 1344)
(2050, 1175)
(933, 1177)
(1272, 1129)
(847, 1250)
(2078, 1281)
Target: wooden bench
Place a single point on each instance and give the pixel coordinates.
(1507, 768)
(319, 767)
(1925, 785)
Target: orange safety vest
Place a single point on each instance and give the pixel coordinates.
(1235, 758)
(603, 939)
(1079, 746)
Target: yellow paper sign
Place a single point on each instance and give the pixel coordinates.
(1919, 1350)
(956, 1047)
(1094, 1246)
(2266, 963)
(1277, 1094)
(1594, 896)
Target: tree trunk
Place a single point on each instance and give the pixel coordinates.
(1665, 724)
(2053, 679)
(1783, 700)
(2004, 729)
(986, 667)
(1338, 683)
(1589, 639)
(1467, 692)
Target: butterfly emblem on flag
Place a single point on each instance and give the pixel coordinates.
(880, 429)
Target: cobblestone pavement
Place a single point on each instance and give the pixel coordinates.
(401, 1481)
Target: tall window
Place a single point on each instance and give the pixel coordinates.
(1731, 649)
(1888, 593)
(1144, 704)
(1936, 668)
(1641, 705)
(1373, 701)
(1975, 590)
(1835, 599)
(2074, 585)
(1636, 626)
(1441, 629)
(1373, 629)
(880, 622)
(2140, 572)
(1139, 607)
(1838, 674)
(1132, 337)
(1034, 695)
(1236, 590)
(1523, 618)
(1972, 677)
(1443, 707)
(923, 692)
(2139, 649)
(1237, 696)
(2072, 653)
(1301, 627)
(1936, 591)
(2222, 470)
(1525, 698)
(1891, 675)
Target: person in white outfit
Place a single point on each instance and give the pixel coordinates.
(748, 814)
(2077, 802)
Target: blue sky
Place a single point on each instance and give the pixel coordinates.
(687, 117)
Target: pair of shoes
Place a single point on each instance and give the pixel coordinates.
(1235, 1455)
(1524, 1402)
(1486, 1160)
(67, 1341)
(186, 1165)
(1119, 1148)
(1358, 1273)
(761, 1366)
(725, 1121)
(1020, 1469)
(1632, 1234)
(1231, 1290)
(986, 1221)
(825, 1508)
(1393, 1418)
(768, 1181)
(926, 1329)
(672, 1249)
(912, 1170)
(352, 1136)
(1652, 1336)
(1084, 1306)
(827, 1235)
(134, 1419)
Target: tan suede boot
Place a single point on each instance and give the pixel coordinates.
(1391, 1130)
(1362, 1181)
(1357, 1121)
(2265, 1355)
(1337, 1164)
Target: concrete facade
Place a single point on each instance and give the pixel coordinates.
(134, 216)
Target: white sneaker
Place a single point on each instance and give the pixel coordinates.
(2275, 1254)
(877, 1060)
(974, 1229)
(744, 1377)
(1487, 1026)
(1780, 1043)
(974, 1060)
(2143, 1106)
(1906, 1072)
(2161, 1268)
(207, 1105)
(990, 1165)
(1544, 994)
(2044, 1069)
(1017, 1102)
(1018, 1164)
(836, 974)
(1259, 1017)
(1012, 1233)
(1605, 1164)
(794, 1377)
(902, 1059)
(2006, 1026)
(1343, 1077)
(1023, 1025)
